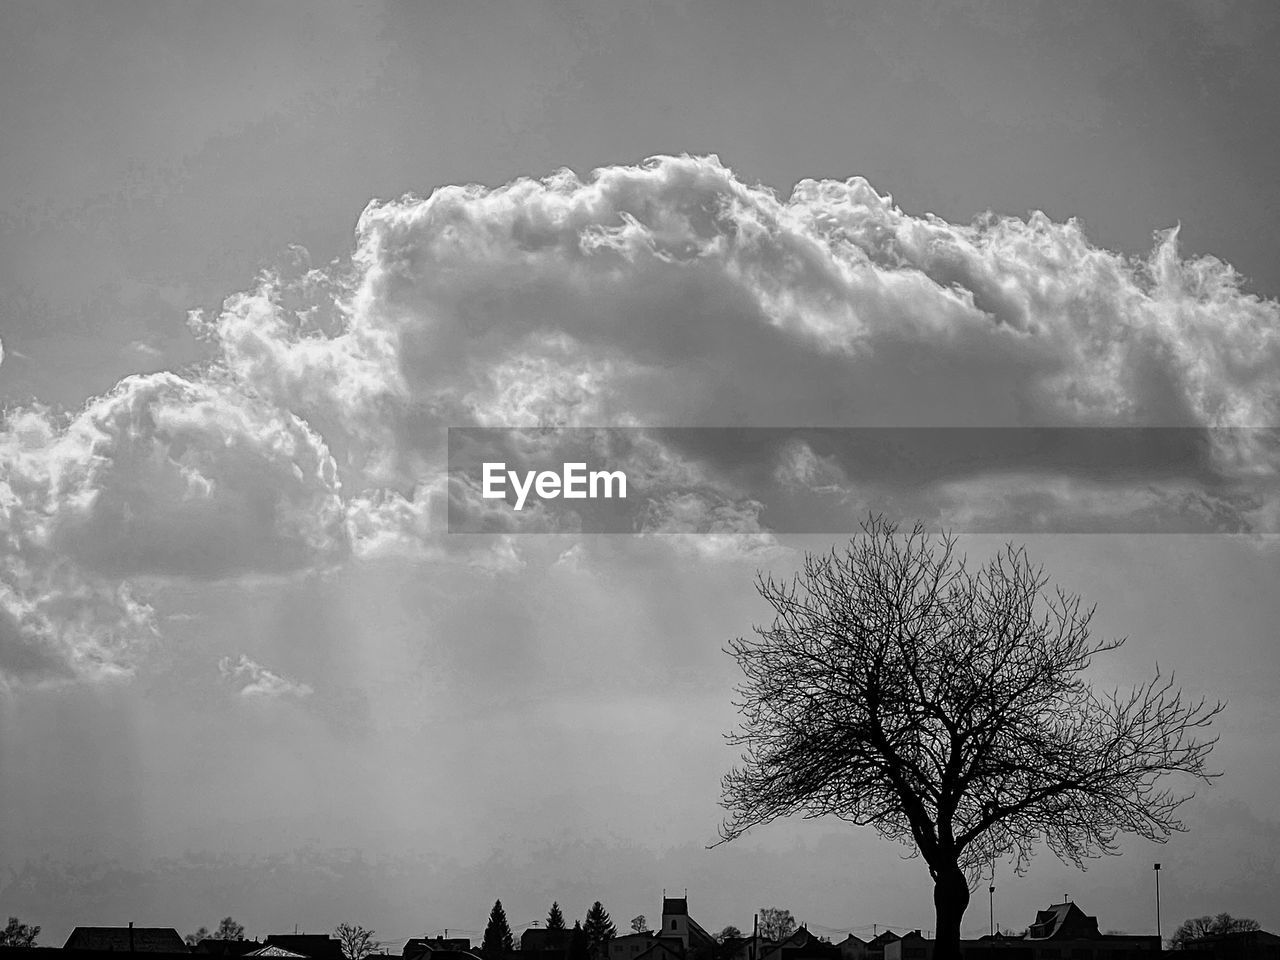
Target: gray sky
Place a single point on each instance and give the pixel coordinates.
(244, 671)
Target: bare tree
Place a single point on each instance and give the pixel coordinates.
(357, 942)
(945, 707)
(1207, 926)
(776, 923)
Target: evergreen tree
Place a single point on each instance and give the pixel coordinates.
(598, 928)
(578, 948)
(555, 918)
(497, 934)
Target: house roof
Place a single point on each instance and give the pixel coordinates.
(316, 946)
(213, 946)
(125, 939)
(661, 950)
(1062, 921)
(273, 951)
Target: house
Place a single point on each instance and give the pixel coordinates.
(1063, 921)
(539, 943)
(909, 946)
(1242, 945)
(853, 948)
(1062, 931)
(663, 948)
(627, 947)
(677, 924)
(128, 939)
(416, 948)
(213, 947)
(877, 944)
(313, 946)
(802, 945)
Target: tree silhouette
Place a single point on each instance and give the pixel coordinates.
(1207, 926)
(497, 933)
(19, 934)
(357, 942)
(228, 929)
(555, 917)
(729, 933)
(598, 927)
(898, 689)
(193, 939)
(776, 923)
(639, 924)
(578, 946)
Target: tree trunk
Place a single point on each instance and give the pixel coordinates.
(950, 898)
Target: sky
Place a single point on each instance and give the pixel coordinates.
(256, 259)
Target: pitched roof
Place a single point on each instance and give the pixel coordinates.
(225, 948)
(273, 951)
(126, 939)
(661, 950)
(1062, 921)
(317, 946)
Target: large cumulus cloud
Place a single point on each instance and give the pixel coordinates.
(162, 477)
(668, 293)
(673, 293)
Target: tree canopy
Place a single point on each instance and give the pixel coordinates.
(357, 942)
(497, 933)
(19, 934)
(899, 689)
(598, 927)
(555, 917)
(776, 923)
(1195, 928)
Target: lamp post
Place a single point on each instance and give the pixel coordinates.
(1158, 934)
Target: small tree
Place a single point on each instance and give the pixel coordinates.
(555, 916)
(193, 939)
(228, 929)
(1207, 926)
(729, 933)
(357, 942)
(19, 934)
(639, 924)
(776, 923)
(497, 934)
(598, 927)
(898, 689)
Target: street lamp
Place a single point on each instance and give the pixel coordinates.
(1158, 935)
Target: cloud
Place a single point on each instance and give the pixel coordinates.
(175, 477)
(664, 294)
(163, 477)
(259, 681)
(671, 293)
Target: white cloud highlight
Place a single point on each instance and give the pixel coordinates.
(259, 681)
